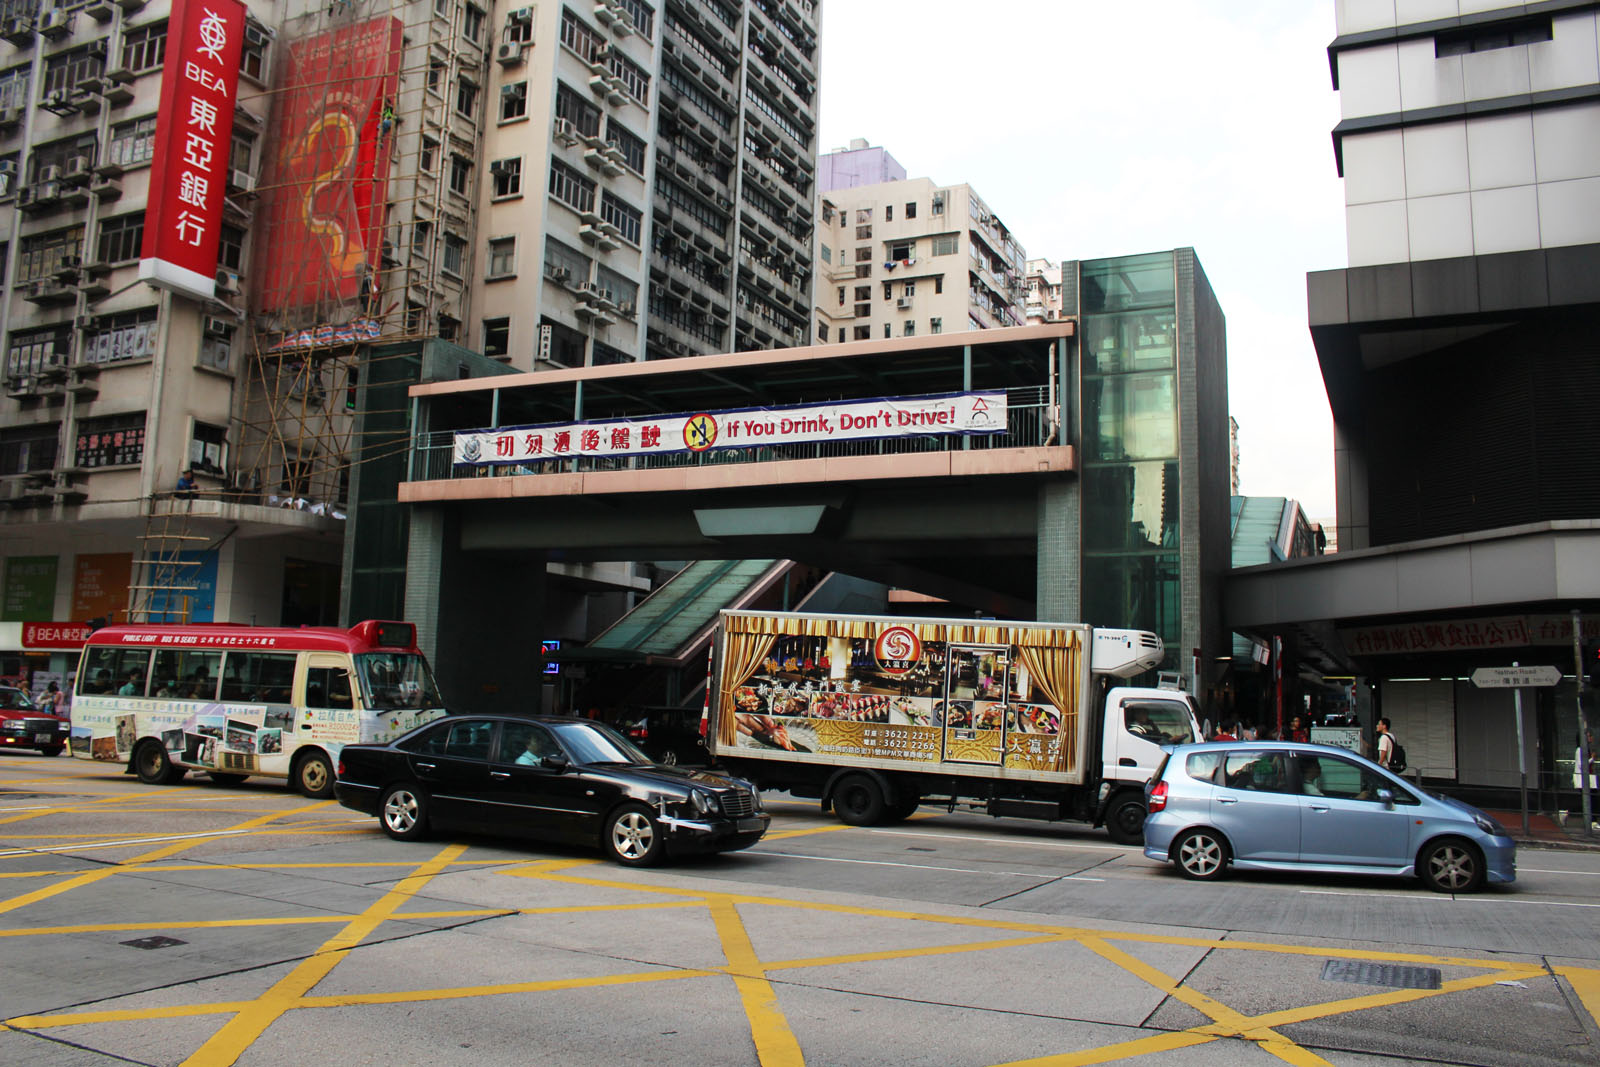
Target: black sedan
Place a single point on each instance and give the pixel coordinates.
(566, 780)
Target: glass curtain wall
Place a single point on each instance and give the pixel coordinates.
(1130, 445)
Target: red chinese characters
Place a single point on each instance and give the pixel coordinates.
(194, 131)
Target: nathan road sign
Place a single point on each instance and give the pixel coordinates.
(1515, 677)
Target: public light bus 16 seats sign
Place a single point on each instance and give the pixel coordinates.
(236, 701)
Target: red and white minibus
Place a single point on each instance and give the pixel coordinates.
(235, 701)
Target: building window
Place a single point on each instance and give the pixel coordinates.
(864, 254)
(624, 216)
(113, 441)
(253, 53)
(472, 24)
(448, 326)
(642, 14)
(631, 145)
(863, 270)
(454, 254)
(910, 328)
(621, 291)
(25, 449)
(911, 287)
(514, 101)
(31, 351)
(467, 98)
(435, 74)
(497, 338)
(570, 187)
(937, 207)
(938, 283)
(863, 233)
(887, 293)
(1486, 38)
(863, 333)
(208, 448)
(230, 247)
(123, 336)
(902, 250)
(503, 257)
(460, 174)
(45, 254)
(911, 210)
(421, 238)
(584, 116)
(68, 70)
(863, 311)
(426, 162)
(145, 48)
(507, 175)
(888, 213)
(888, 331)
(564, 265)
(864, 292)
(121, 238)
(132, 143)
(936, 326)
(841, 296)
(826, 253)
(519, 26)
(946, 244)
(863, 214)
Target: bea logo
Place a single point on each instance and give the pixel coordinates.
(897, 650)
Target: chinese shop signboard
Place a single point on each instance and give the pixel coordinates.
(30, 588)
(953, 414)
(193, 147)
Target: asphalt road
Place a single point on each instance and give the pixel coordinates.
(208, 925)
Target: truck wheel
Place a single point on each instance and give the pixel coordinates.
(1125, 818)
(905, 805)
(858, 800)
(151, 764)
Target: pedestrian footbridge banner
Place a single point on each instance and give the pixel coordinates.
(951, 414)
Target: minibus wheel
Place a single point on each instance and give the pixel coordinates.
(313, 775)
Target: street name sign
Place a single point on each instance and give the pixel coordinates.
(1515, 677)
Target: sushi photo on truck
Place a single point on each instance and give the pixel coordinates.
(876, 716)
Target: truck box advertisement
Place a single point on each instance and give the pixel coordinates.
(992, 700)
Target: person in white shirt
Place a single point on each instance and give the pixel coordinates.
(1385, 744)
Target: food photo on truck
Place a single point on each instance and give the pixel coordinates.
(876, 716)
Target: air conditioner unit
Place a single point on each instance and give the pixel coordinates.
(521, 14)
(244, 180)
(56, 23)
(10, 116)
(227, 281)
(560, 275)
(218, 327)
(903, 302)
(51, 173)
(255, 35)
(566, 133)
(511, 53)
(77, 167)
(500, 166)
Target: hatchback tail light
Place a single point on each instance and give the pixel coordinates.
(1158, 798)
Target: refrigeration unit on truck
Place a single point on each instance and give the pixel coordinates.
(876, 716)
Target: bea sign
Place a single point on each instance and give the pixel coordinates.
(193, 147)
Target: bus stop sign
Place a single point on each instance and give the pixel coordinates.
(1515, 677)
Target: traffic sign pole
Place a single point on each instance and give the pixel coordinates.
(1522, 758)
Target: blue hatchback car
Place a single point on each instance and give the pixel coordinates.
(1282, 806)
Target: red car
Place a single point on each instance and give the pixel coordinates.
(24, 724)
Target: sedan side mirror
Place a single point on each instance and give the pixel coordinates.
(1386, 797)
(555, 763)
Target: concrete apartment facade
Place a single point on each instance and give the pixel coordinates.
(563, 184)
(906, 258)
(1460, 358)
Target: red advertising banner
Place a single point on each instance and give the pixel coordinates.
(100, 585)
(55, 634)
(325, 183)
(193, 146)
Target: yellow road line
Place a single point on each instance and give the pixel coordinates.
(224, 924)
(1586, 983)
(420, 996)
(161, 853)
(1143, 1046)
(775, 1042)
(914, 953)
(239, 1033)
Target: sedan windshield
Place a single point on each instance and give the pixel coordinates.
(394, 680)
(590, 742)
(16, 700)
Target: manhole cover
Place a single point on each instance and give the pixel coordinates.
(159, 941)
(1392, 975)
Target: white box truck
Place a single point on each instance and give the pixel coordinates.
(875, 715)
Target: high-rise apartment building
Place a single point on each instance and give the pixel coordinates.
(547, 185)
(1044, 291)
(910, 257)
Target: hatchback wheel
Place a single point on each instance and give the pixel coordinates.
(1201, 854)
(403, 813)
(1451, 866)
(633, 838)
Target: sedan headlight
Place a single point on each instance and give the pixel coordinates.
(702, 802)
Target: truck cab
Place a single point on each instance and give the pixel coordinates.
(1137, 723)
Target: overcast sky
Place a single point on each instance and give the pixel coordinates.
(1098, 129)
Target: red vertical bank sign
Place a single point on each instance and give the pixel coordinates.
(328, 167)
(193, 148)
